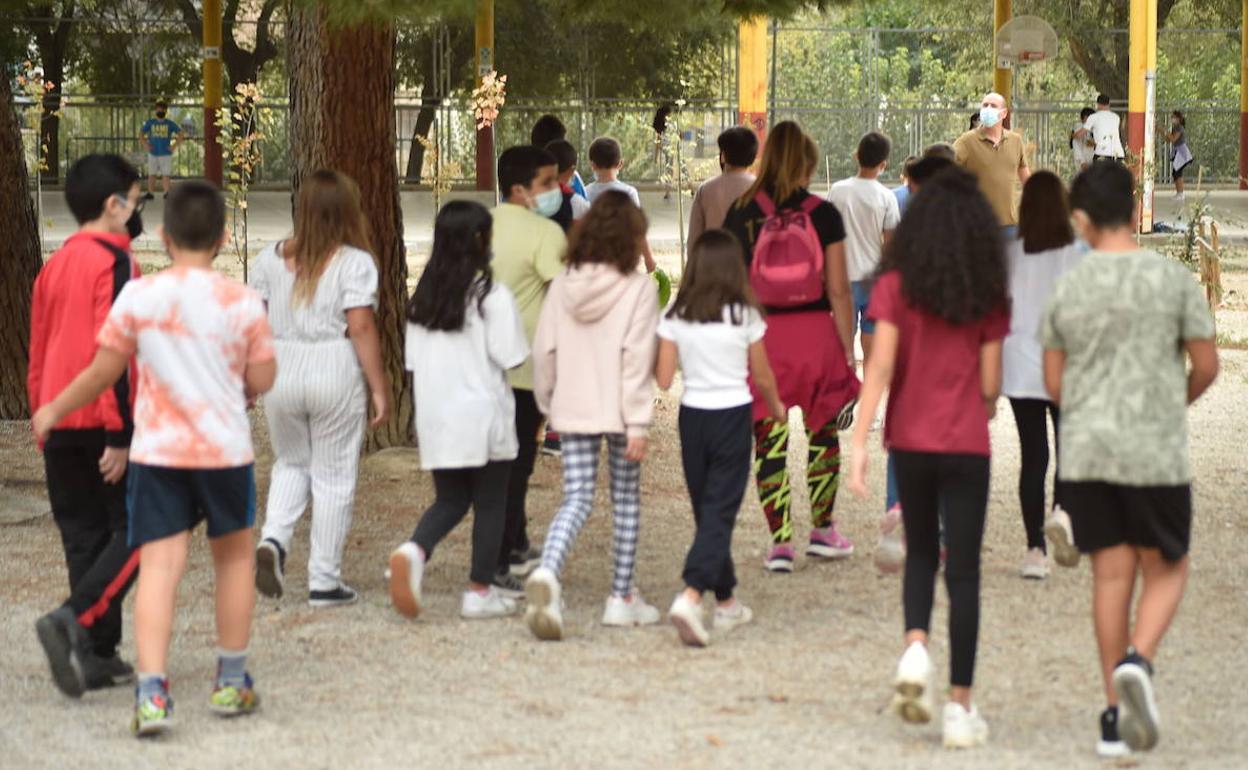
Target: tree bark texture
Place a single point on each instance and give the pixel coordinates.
(1106, 58)
(342, 118)
(20, 260)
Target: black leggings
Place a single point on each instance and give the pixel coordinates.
(957, 486)
(1033, 438)
(483, 489)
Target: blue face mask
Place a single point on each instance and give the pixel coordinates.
(989, 116)
(547, 204)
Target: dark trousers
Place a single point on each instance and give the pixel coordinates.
(91, 516)
(528, 420)
(1033, 438)
(957, 486)
(715, 447)
(485, 490)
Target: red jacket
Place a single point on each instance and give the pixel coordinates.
(73, 294)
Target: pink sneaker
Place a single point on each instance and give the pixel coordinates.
(779, 558)
(890, 552)
(827, 543)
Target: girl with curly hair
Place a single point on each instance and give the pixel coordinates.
(593, 376)
(942, 309)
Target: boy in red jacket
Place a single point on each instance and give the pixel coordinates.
(85, 458)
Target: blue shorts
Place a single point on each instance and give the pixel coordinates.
(167, 501)
(862, 296)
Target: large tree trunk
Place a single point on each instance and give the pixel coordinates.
(20, 260)
(342, 117)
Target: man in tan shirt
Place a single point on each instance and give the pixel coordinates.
(737, 149)
(996, 157)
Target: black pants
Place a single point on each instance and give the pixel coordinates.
(485, 490)
(1033, 439)
(957, 486)
(515, 535)
(715, 446)
(92, 518)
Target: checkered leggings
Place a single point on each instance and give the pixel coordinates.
(580, 472)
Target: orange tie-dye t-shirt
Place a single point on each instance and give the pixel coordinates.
(194, 331)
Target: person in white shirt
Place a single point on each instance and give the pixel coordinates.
(1104, 127)
(606, 159)
(715, 332)
(1081, 145)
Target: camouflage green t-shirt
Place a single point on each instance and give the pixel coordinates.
(1122, 319)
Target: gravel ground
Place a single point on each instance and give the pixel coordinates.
(806, 685)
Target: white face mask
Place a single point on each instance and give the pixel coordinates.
(989, 116)
(547, 204)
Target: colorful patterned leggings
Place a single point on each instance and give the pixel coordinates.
(823, 475)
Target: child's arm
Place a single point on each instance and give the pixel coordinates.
(879, 373)
(765, 381)
(258, 377)
(665, 369)
(1054, 363)
(648, 256)
(990, 374)
(362, 329)
(1204, 357)
(107, 366)
(836, 275)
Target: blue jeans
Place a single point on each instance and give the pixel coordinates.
(891, 496)
(861, 291)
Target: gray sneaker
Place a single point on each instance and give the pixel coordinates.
(63, 642)
(270, 568)
(101, 673)
(508, 585)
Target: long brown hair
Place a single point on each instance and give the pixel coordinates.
(789, 158)
(610, 233)
(714, 279)
(1044, 214)
(328, 216)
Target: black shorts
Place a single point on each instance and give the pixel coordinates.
(1104, 515)
(167, 501)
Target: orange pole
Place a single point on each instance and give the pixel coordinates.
(212, 91)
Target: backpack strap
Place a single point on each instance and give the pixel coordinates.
(765, 203)
(811, 203)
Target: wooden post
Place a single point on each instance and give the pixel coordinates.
(752, 75)
(212, 91)
(1141, 94)
(485, 63)
(1002, 77)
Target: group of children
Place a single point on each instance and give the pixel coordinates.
(538, 312)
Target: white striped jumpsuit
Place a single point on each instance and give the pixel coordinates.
(318, 406)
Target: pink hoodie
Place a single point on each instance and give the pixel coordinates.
(594, 351)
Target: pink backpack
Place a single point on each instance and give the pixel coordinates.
(787, 268)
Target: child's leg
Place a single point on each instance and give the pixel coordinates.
(1164, 583)
(823, 473)
(580, 472)
(626, 514)
(1033, 439)
(917, 484)
(233, 563)
(720, 455)
(453, 494)
(290, 486)
(161, 564)
(891, 496)
(1113, 581)
(489, 511)
(964, 496)
(694, 462)
(1055, 416)
(771, 450)
(337, 433)
(528, 421)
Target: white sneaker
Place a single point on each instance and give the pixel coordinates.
(1058, 530)
(890, 551)
(913, 685)
(407, 569)
(686, 615)
(964, 729)
(544, 615)
(628, 611)
(1035, 565)
(728, 618)
(476, 605)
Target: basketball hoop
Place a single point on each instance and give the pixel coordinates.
(1025, 40)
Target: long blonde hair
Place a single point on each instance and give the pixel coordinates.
(789, 158)
(328, 217)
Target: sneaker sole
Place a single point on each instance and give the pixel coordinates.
(66, 668)
(1035, 574)
(688, 633)
(828, 551)
(1138, 719)
(1112, 749)
(225, 712)
(964, 741)
(401, 595)
(525, 569)
(542, 622)
(782, 566)
(322, 603)
(153, 728)
(1064, 551)
(909, 703)
(487, 615)
(268, 582)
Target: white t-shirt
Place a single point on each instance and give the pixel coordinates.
(868, 208)
(1104, 127)
(465, 412)
(1032, 278)
(580, 207)
(715, 357)
(348, 281)
(598, 188)
(1081, 149)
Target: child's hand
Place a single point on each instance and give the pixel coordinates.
(858, 472)
(43, 422)
(113, 464)
(636, 451)
(651, 266)
(779, 412)
(381, 409)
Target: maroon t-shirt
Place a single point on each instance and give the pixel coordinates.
(935, 402)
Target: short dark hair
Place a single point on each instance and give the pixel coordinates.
(605, 152)
(873, 149)
(1085, 112)
(518, 166)
(161, 104)
(927, 167)
(564, 154)
(547, 129)
(739, 146)
(1044, 214)
(95, 178)
(941, 150)
(1102, 99)
(974, 121)
(194, 215)
(1106, 193)
(907, 163)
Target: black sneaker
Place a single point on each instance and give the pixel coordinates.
(521, 563)
(333, 598)
(270, 568)
(63, 642)
(1110, 745)
(508, 585)
(101, 673)
(1138, 721)
(148, 196)
(551, 445)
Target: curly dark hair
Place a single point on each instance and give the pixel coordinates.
(610, 233)
(949, 250)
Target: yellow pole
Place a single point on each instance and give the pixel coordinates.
(212, 91)
(1003, 11)
(1135, 84)
(485, 63)
(1243, 101)
(752, 75)
(1141, 97)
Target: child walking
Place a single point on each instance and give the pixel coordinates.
(463, 335)
(320, 288)
(1117, 336)
(606, 159)
(593, 362)
(941, 311)
(715, 330)
(204, 348)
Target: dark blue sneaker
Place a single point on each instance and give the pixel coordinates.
(1138, 721)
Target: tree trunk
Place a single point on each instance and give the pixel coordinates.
(342, 117)
(52, 40)
(424, 121)
(20, 260)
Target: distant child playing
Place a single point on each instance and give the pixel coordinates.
(204, 348)
(606, 159)
(1118, 334)
(715, 332)
(159, 136)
